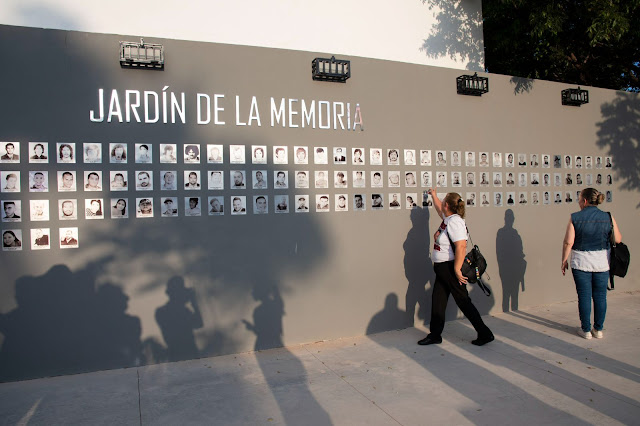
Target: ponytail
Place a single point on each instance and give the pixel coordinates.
(455, 203)
(592, 196)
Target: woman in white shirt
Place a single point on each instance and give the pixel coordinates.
(447, 264)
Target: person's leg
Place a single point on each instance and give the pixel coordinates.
(599, 292)
(582, 280)
(439, 299)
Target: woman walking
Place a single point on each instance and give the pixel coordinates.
(449, 250)
(587, 239)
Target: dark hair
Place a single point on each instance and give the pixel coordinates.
(592, 196)
(123, 200)
(99, 212)
(16, 240)
(455, 203)
(196, 199)
(38, 145)
(124, 151)
(195, 149)
(70, 150)
(145, 147)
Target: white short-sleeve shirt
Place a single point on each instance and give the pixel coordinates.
(456, 228)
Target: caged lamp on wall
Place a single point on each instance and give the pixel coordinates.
(575, 97)
(472, 85)
(335, 70)
(141, 55)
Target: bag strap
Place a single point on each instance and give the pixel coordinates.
(613, 244)
(485, 288)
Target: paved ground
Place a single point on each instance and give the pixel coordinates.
(538, 371)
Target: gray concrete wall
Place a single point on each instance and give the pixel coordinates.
(270, 280)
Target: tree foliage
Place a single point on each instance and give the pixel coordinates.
(591, 42)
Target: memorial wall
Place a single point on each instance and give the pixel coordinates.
(230, 203)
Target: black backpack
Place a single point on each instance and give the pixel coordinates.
(619, 259)
(474, 266)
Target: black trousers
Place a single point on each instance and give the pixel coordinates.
(446, 283)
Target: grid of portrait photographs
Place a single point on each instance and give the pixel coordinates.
(263, 180)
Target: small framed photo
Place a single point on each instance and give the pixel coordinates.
(38, 152)
(216, 206)
(320, 155)
(410, 157)
(411, 200)
(410, 179)
(68, 238)
(546, 198)
(375, 156)
(11, 240)
(357, 156)
(578, 179)
(281, 204)
(609, 179)
(522, 160)
(215, 180)
(546, 161)
(192, 180)
(522, 179)
(484, 199)
(9, 152)
(567, 197)
(118, 180)
(588, 162)
(340, 179)
(510, 179)
(302, 179)
(117, 153)
(301, 155)
(376, 179)
(511, 198)
(568, 162)
(119, 208)
(471, 179)
(238, 205)
(144, 207)
(258, 179)
(92, 152)
(93, 208)
(557, 161)
(394, 201)
(339, 155)
(393, 157)
(322, 203)
(67, 209)
(535, 178)
(144, 180)
(168, 153)
(215, 154)
(144, 153)
(599, 179)
(557, 198)
(470, 160)
(39, 181)
(608, 163)
(321, 179)
(40, 239)
(169, 207)
(236, 154)
(394, 179)
(470, 199)
(281, 179)
(376, 202)
(238, 179)
(589, 179)
(609, 196)
(359, 203)
(192, 154)
(484, 179)
(497, 159)
(168, 180)
(93, 180)
(497, 199)
(66, 152)
(280, 155)
(510, 160)
(425, 157)
(442, 180)
(259, 154)
(557, 179)
(260, 204)
(425, 180)
(484, 159)
(523, 198)
(341, 204)
(11, 210)
(546, 179)
(598, 162)
(535, 198)
(578, 161)
(302, 203)
(455, 159)
(441, 158)
(359, 180)
(39, 210)
(533, 160)
(456, 180)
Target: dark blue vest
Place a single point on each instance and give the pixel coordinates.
(593, 229)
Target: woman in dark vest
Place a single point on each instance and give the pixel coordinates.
(588, 239)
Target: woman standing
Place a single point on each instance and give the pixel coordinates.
(447, 262)
(588, 239)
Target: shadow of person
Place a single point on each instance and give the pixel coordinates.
(177, 321)
(389, 318)
(285, 373)
(511, 262)
(417, 266)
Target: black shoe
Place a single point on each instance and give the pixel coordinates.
(429, 340)
(483, 340)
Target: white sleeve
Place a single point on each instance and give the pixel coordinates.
(457, 229)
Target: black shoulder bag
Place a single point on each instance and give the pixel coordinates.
(474, 265)
(619, 258)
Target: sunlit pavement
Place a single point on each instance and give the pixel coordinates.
(538, 371)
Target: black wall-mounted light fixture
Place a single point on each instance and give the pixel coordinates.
(472, 85)
(336, 70)
(141, 55)
(575, 97)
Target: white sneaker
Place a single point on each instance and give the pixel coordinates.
(597, 333)
(585, 334)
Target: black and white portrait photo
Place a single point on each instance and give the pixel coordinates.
(67, 209)
(394, 179)
(511, 198)
(118, 180)
(93, 180)
(484, 199)
(215, 154)
(535, 178)
(546, 198)
(117, 153)
(357, 156)
(376, 179)
(38, 152)
(425, 157)
(9, 152)
(510, 179)
(259, 179)
(522, 198)
(557, 179)
(456, 180)
(215, 180)
(144, 153)
(191, 154)
(588, 162)
(302, 179)
(93, 208)
(522, 160)
(92, 152)
(510, 162)
(609, 196)
(169, 207)
(410, 157)
(608, 163)
(568, 163)
(11, 211)
(322, 203)
(497, 159)
(578, 161)
(410, 179)
(471, 199)
(359, 203)
(411, 199)
(302, 203)
(588, 179)
(260, 204)
(144, 180)
(11, 240)
(168, 153)
(119, 208)
(455, 159)
(236, 154)
(394, 201)
(238, 205)
(259, 154)
(341, 204)
(484, 159)
(168, 180)
(321, 180)
(375, 156)
(301, 155)
(281, 204)
(192, 180)
(339, 155)
(280, 155)
(393, 157)
(533, 160)
(522, 179)
(238, 179)
(546, 161)
(598, 164)
(425, 180)
(39, 210)
(484, 179)
(40, 239)
(39, 181)
(340, 179)
(535, 198)
(497, 179)
(557, 161)
(376, 202)
(144, 207)
(470, 159)
(557, 197)
(216, 206)
(470, 179)
(497, 199)
(68, 238)
(441, 158)
(441, 180)
(359, 180)
(320, 155)
(281, 179)
(567, 197)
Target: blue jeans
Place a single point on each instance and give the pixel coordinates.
(591, 285)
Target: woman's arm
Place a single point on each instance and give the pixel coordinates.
(617, 236)
(436, 201)
(460, 253)
(569, 237)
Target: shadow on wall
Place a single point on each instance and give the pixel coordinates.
(457, 33)
(511, 262)
(619, 134)
(417, 266)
